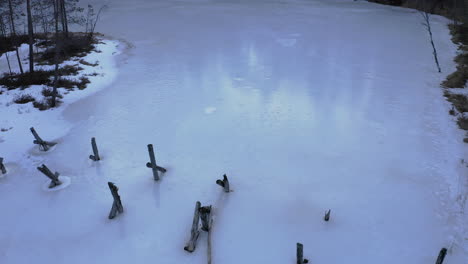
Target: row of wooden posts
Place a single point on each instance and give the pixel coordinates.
(54, 177)
(203, 213)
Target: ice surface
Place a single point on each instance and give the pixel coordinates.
(349, 118)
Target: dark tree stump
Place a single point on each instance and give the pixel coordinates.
(152, 164)
(54, 180)
(117, 204)
(441, 257)
(194, 233)
(44, 145)
(327, 215)
(2, 167)
(224, 183)
(300, 254)
(94, 157)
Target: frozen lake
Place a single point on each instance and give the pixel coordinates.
(305, 105)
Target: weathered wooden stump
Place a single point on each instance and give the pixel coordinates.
(205, 216)
(2, 167)
(441, 257)
(94, 157)
(327, 215)
(224, 183)
(152, 164)
(54, 180)
(194, 233)
(300, 254)
(45, 145)
(117, 204)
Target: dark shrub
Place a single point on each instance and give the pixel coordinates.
(463, 122)
(83, 83)
(24, 99)
(67, 83)
(459, 101)
(70, 70)
(77, 45)
(49, 92)
(46, 104)
(457, 79)
(13, 81)
(89, 63)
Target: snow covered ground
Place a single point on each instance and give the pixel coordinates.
(306, 105)
(16, 119)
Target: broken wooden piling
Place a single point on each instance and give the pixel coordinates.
(117, 204)
(2, 167)
(54, 180)
(327, 215)
(441, 257)
(205, 216)
(224, 183)
(38, 140)
(152, 164)
(194, 232)
(207, 221)
(94, 157)
(300, 254)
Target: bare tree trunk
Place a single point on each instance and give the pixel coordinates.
(64, 18)
(31, 37)
(465, 14)
(427, 24)
(95, 22)
(61, 12)
(13, 34)
(45, 26)
(8, 61)
(4, 34)
(56, 17)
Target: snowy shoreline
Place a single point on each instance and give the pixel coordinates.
(50, 123)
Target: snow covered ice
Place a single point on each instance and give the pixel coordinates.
(305, 105)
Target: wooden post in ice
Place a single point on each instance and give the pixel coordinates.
(441, 257)
(2, 167)
(152, 164)
(38, 140)
(94, 157)
(194, 233)
(54, 180)
(205, 216)
(224, 183)
(300, 254)
(117, 204)
(327, 215)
